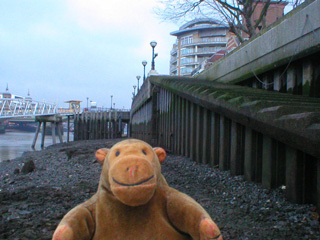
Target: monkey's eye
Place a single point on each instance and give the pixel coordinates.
(144, 152)
(117, 153)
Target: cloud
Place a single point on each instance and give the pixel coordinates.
(111, 14)
(44, 31)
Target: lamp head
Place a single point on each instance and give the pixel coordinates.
(144, 63)
(138, 77)
(153, 44)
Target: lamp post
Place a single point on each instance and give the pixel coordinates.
(134, 90)
(144, 63)
(153, 44)
(87, 104)
(138, 78)
(111, 101)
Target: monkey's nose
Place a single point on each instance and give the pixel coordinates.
(132, 172)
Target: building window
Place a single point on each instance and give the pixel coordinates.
(187, 40)
(209, 49)
(185, 70)
(185, 51)
(220, 39)
(187, 60)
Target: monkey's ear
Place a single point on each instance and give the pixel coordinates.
(161, 153)
(101, 155)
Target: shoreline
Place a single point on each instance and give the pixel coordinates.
(32, 204)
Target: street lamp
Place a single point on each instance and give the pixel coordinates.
(87, 104)
(153, 44)
(134, 90)
(111, 101)
(138, 77)
(144, 63)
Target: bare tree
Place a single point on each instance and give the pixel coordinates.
(238, 14)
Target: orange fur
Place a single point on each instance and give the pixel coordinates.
(134, 201)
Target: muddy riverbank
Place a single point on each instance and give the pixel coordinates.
(33, 200)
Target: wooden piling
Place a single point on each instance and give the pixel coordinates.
(43, 134)
(187, 129)
(237, 149)
(224, 155)
(193, 146)
(36, 136)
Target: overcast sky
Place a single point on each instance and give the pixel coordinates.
(73, 49)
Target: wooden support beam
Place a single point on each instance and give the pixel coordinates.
(183, 127)
(237, 149)
(36, 136)
(60, 131)
(318, 184)
(206, 142)
(43, 134)
(199, 132)
(294, 175)
(224, 155)
(68, 129)
(75, 127)
(53, 132)
(178, 125)
(193, 132)
(215, 139)
(248, 155)
(269, 163)
(187, 129)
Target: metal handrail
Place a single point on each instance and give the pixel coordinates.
(11, 107)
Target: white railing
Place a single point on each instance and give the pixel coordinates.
(11, 107)
(221, 40)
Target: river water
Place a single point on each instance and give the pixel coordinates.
(14, 143)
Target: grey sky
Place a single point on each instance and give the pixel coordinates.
(73, 49)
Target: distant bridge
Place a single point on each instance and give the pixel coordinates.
(12, 108)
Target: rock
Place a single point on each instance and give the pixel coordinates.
(16, 171)
(28, 167)
(32, 206)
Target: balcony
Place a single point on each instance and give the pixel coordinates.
(173, 60)
(173, 68)
(206, 41)
(174, 51)
(202, 51)
(188, 53)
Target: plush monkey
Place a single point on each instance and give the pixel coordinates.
(134, 201)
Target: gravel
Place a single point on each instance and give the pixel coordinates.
(39, 188)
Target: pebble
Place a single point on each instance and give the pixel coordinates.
(33, 203)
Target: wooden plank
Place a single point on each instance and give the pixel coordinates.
(213, 140)
(237, 149)
(183, 126)
(268, 163)
(206, 129)
(248, 159)
(187, 129)
(294, 175)
(43, 134)
(199, 133)
(192, 132)
(179, 125)
(224, 155)
(36, 136)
